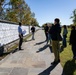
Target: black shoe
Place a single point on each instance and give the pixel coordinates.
(37, 51)
(21, 49)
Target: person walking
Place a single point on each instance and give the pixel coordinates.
(33, 32)
(20, 36)
(55, 33)
(73, 41)
(64, 43)
(46, 28)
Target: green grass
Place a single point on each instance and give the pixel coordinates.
(69, 65)
(25, 39)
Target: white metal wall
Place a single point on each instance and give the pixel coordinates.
(9, 32)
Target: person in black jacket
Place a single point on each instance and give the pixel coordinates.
(55, 32)
(46, 28)
(33, 31)
(73, 41)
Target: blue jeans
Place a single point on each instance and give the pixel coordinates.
(49, 38)
(64, 42)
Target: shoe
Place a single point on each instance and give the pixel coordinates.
(21, 49)
(37, 51)
(55, 62)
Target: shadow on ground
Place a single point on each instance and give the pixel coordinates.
(15, 50)
(28, 40)
(44, 48)
(69, 67)
(6, 53)
(40, 43)
(48, 70)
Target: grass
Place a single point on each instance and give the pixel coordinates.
(69, 65)
(25, 39)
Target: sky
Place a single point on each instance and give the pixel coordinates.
(48, 10)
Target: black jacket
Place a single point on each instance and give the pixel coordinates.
(46, 28)
(73, 37)
(33, 29)
(55, 32)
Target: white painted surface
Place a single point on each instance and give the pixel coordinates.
(9, 32)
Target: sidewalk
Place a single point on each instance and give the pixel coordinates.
(35, 59)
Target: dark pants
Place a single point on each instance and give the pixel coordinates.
(20, 42)
(33, 36)
(64, 42)
(46, 36)
(74, 50)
